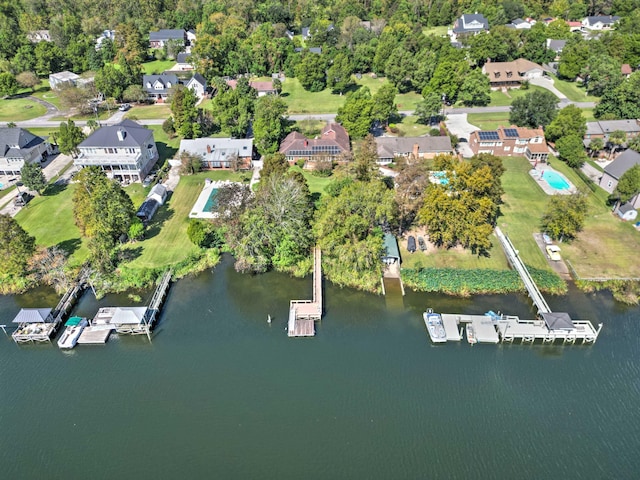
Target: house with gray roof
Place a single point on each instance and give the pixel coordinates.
(603, 128)
(18, 147)
(220, 152)
(158, 87)
(411, 148)
(600, 22)
(183, 62)
(469, 24)
(616, 169)
(556, 46)
(160, 38)
(126, 151)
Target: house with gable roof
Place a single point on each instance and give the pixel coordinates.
(390, 148)
(125, 151)
(332, 142)
(511, 74)
(19, 147)
(158, 87)
(600, 22)
(614, 171)
(468, 24)
(511, 141)
(160, 38)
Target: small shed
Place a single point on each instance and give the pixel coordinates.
(158, 193)
(627, 212)
(391, 252)
(147, 210)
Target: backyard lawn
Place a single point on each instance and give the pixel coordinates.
(409, 127)
(500, 99)
(45, 93)
(20, 109)
(145, 112)
(439, 31)
(167, 147)
(157, 66)
(489, 121)
(49, 218)
(316, 184)
(574, 91)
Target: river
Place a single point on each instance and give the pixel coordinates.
(220, 393)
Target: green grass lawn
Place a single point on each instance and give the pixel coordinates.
(439, 31)
(489, 121)
(500, 99)
(167, 147)
(45, 93)
(166, 241)
(137, 193)
(409, 127)
(157, 66)
(607, 246)
(454, 258)
(20, 109)
(49, 218)
(573, 90)
(145, 112)
(309, 128)
(316, 184)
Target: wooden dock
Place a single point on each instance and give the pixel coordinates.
(303, 313)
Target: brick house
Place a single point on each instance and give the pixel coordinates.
(414, 148)
(511, 74)
(511, 141)
(332, 142)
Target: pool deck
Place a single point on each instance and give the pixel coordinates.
(198, 210)
(536, 174)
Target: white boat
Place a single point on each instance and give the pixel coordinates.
(435, 327)
(74, 327)
(471, 334)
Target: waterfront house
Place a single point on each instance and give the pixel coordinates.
(616, 169)
(18, 147)
(234, 153)
(599, 22)
(511, 141)
(511, 74)
(411, 148)
(125, 151)
(162, 37)
(328, 147)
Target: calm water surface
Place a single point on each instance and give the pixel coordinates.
(222, 394)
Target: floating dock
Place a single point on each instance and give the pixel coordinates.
(94, 335)
(451, 328)
(303, 313)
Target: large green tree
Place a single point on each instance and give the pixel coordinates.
(348, 229)
(621, 102)
(430, 107)
(269, 123)
(33, 177)
(185, 113)
(569, 121)
(571, 150)
(103, 212)
(475, 89)
(356, 115)
(233, 108)
(601, 74)
(628, 186)
(16, 247)
(311, 73)
(535, 109)
(384, 103)
(339, 74)
(69, 137)
(111, 81)
(564, 216)
(8, 84)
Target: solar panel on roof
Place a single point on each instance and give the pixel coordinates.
(511, 132)
(488, 135)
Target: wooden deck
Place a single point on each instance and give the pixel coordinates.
(303, 313)
(94, 336)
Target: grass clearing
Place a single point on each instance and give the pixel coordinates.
(167, 147)
(49, 218)
(572, 90)
(316, 184)
(166, 242)
(500, 99)
(146, 112)
(157, 66)
(439, 31)
(409, 127)
(489, 121)
(20, 109)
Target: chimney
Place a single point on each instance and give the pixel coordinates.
(306, 143)
(416, 149)
(121, 134)
(208, 148)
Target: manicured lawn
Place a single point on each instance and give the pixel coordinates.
(454, 258)
(20, 109)
(300, 101)
(167, 243)
(316, 184)
(310, 128)
(489, 121)
(44, 131)
(145, 112)
(499, 99)
(137, 193)
(157, 66)
(167, 147)
(587, 113)
(573, 90)
(49, 218)
(45, 93)
(607, 246)
(439, 31)
(409, 127)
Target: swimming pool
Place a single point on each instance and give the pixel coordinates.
(439, 177)
(211, 201)
(555, 180)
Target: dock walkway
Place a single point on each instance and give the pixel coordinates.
(303, 313)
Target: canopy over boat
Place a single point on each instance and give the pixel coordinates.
(73, 321)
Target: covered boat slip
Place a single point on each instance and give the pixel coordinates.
(130, 320)
(34, 325)
(551, 327)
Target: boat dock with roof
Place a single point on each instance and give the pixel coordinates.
(303, 313)
(548, 327)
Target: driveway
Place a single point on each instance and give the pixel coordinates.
(460, 127)
(593, 173)
(547, 83)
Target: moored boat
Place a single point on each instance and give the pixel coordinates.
(471, 334)
(435, 327)
(74, 327)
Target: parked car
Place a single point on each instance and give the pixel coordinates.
(411, 244)
(422, 244)
(22, 199)
(124, 107)
(546, 239)
(553, 252)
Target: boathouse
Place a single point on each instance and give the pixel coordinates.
(34, 325)
(129, 320)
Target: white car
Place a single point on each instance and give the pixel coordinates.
(124, 107)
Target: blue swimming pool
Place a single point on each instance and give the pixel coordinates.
(211, 201)
(555, 180)
(441, 177)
